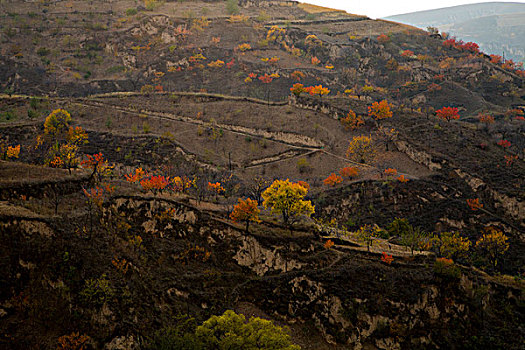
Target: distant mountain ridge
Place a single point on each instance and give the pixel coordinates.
(498, 27)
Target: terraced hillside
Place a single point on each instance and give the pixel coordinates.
(130, 130)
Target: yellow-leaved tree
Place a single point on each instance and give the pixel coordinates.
(286, 198)
(61, 141)
(361, 149)
(493, 244)
(56, 122)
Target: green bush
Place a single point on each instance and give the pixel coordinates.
(131, 12)
(34, 102)
(146, 128)
(7, 116)
(398, 227)
(303, 165)
(97, 291)
(228, 331)
(31, 113)
(232, 7)
(116, 69)
(43, 51)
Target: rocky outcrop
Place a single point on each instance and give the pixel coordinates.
(261, 260)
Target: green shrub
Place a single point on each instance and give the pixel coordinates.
(232, 7)
(7, 116)
(31, 113)
(34, 102)
(131, 12)
(228, 331)
(398, 227)
(303, 165)
(146, 128)
(97, 291)
(43, 51)
(116, 69)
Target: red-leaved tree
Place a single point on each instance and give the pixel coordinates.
(448, 113)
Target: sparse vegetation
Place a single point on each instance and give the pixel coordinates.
(162, 162)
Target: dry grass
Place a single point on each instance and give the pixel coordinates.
(12, 173)
(317, 9)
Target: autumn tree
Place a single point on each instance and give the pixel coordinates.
(317, 90)
(352, 121)
(448, 113)
(452, 245)
(349, 172)
(247, 211)
(286, 198)
(99, 166)
(380, 110)
(474, 204)
(73, 341)
(57, 122)
(297, 89)
(266, 80)
(493, 244)
(215, 188)
(154, 183)
(66, 154)
(61, 141)
(333, 180)
(8, 152)
(361, 149)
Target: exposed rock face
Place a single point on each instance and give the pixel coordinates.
(261, 260)
(122, 343)
(418, 155)
(313, 105)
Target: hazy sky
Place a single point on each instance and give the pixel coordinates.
(384, 8)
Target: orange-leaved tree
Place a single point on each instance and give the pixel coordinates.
(390, 172)
(247, 211)
(486, 118)
(349, 171)
(297, 89)
(352, 121)
(474, 204)
(332, 180)
(155, 183)
(136, 176)
(380, 110)
(388, 259)
(215, 188)
(319, 90)
(448, 113)
(74, 341)
(8, 152)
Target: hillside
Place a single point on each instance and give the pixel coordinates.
(359, 182)
(497, 27)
